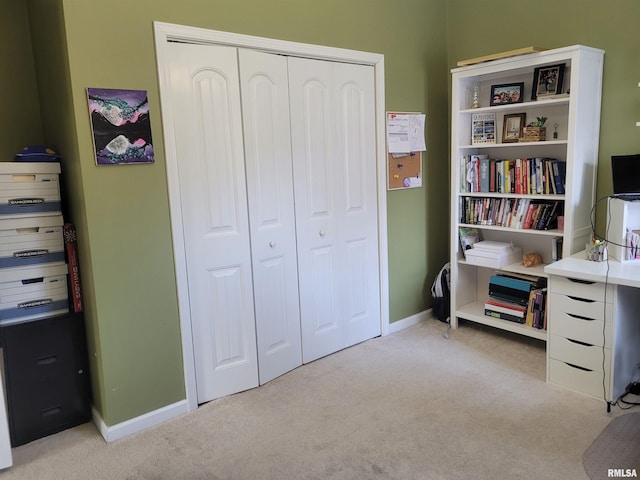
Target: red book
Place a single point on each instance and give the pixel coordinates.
(71, 246)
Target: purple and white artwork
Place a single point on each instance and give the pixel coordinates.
(121, 126)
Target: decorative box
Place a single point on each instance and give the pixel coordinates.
(533, 134)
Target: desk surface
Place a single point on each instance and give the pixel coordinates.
(611, 271)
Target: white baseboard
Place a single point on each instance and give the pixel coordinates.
(137, 424)
(410, 321)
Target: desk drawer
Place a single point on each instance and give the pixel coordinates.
(592, 309)
(580, 354)
(579, 328)
(582, 288)
(584, 381)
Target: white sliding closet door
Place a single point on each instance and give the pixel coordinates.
(208, 129)
(333, 138)
(265, 107)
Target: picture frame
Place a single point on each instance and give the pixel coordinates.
(507, 93)
(120, 126)
(547, 81)
(512, 127)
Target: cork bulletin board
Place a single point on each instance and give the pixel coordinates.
(405, 143)
(404, 171)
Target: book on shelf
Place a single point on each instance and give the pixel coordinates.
(540, 310)
(503, 316)
(71, 248)
(530, 308)
(468, 237)
(483, 128)
(536, 281)
(536, 310)
(503, 306)
(559, 171)
(522, 176)
(513, 288)
(518, 213)
(509, 295)
(475, 173)
(556, 248)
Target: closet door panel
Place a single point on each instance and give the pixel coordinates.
(312, 107)
(357, 197)
(333, 138)
(265, 108)
(208, 142)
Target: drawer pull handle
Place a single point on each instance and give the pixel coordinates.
(29, 281)
(51, 411)
(47, 360)
(578, 299)
(579, 367)
(580, 343)
(577, 280)
(580, 317)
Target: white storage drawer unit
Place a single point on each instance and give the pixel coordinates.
(580, 322)
(28, 189)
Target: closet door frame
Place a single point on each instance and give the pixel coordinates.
(165, 33)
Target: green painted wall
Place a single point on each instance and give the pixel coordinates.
(20, 122)
(122, 212)
(611, 26)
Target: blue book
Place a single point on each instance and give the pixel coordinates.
(509, 282)
(484, 174)
(559, 170)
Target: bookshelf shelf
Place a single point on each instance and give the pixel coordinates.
(572, 139)
(514, 145)
(526, 231)
(539, 104)
(537, 271)
(475, 312)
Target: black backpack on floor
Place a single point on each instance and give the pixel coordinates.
(440, 295)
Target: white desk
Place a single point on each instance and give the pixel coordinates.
(593, 320)
(617, 273)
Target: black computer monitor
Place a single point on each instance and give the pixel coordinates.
(625, 170)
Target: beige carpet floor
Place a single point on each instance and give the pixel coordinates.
(411, 405)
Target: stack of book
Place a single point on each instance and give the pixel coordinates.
(519, 299)
(529, 176)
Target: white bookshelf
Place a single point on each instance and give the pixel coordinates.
(576, 120)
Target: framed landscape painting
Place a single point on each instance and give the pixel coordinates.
(120, 126)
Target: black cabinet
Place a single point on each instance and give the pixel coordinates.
(47, 376)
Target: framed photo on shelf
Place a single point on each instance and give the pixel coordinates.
(507, 93)
(512, 127)
(547, 81)
(483, 128)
